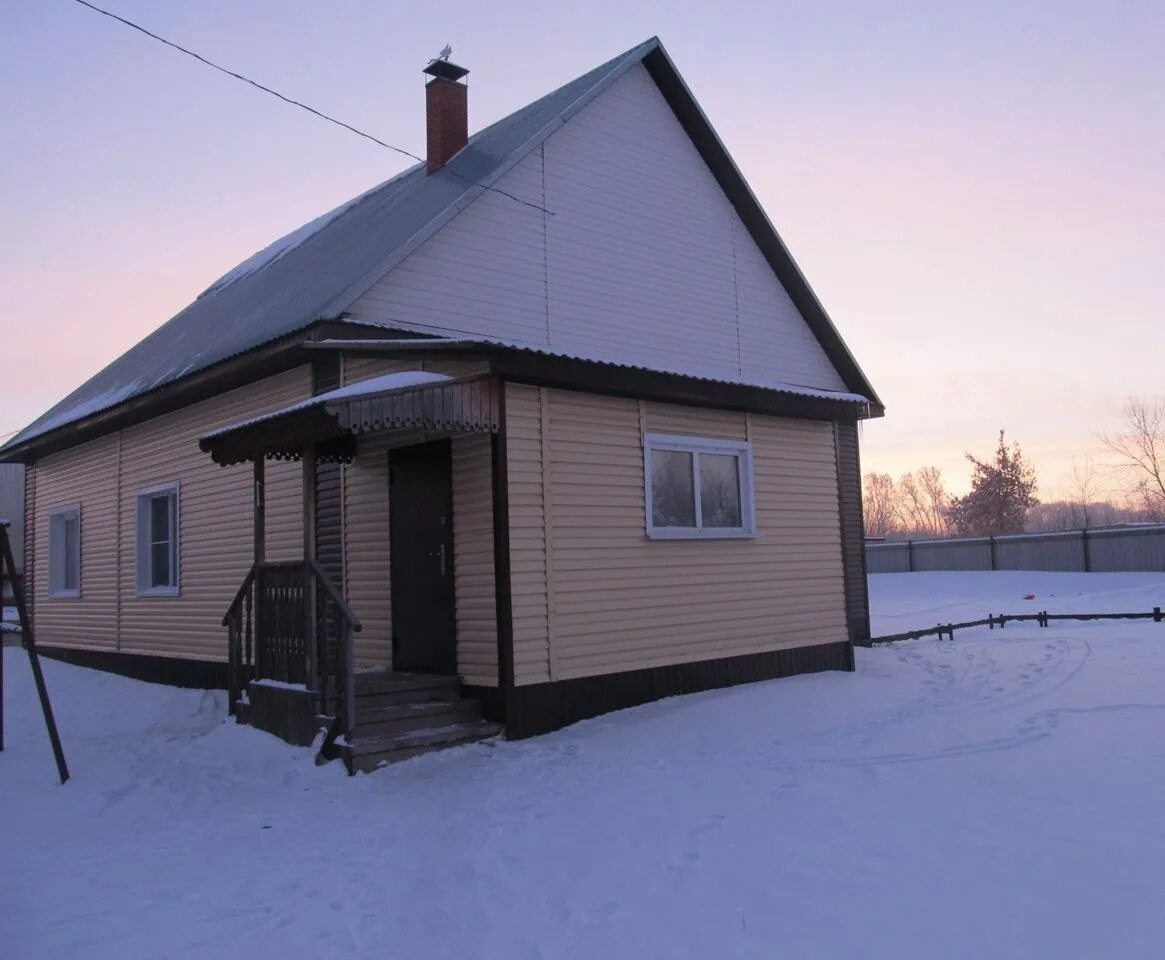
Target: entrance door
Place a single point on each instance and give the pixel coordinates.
(420, 510)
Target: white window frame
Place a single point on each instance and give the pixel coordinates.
(143, 541)
(56, 558)
(741, 449)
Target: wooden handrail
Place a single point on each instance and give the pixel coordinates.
(326, 583)
(247, 581)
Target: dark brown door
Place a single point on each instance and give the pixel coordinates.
(420, 510)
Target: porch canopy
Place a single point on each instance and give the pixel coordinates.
(410, 400)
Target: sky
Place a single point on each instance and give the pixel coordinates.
(974, 191)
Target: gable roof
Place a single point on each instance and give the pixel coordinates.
(317, 271)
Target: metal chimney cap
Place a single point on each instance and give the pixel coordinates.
(445, 70)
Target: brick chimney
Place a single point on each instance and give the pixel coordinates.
(446, 113)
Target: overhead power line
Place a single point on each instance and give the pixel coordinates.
(293, 102)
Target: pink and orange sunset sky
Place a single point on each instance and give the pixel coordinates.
(974, 190)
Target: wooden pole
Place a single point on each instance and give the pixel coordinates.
(310, 605)
(8, 571)
(260, 536)
(260, 508)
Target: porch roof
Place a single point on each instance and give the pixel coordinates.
(409, 400)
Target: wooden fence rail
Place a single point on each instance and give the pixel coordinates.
(1043, 618)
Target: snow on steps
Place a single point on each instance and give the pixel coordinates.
(402, 715)
(368, 754)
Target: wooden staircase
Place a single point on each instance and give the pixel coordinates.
(291, 670)
(402, 715)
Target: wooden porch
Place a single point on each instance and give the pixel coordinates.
(290, 632)
(292, 673)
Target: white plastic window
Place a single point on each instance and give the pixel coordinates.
(157, 541)
(65, 552)
(698, 487)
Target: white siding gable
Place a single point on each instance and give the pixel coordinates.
(640, 258)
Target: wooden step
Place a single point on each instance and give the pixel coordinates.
(398, 718)
(371, 752)
(375, 682)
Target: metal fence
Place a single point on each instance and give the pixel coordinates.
(1079, 551)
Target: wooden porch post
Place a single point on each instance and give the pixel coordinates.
(310, 606)
(260, 538)
(260, 504)
(501, 544)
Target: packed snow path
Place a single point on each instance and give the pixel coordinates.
(997, 796)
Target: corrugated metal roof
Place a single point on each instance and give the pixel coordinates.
(314, 274)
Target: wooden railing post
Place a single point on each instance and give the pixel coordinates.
(349, 680)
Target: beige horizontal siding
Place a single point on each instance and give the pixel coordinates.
(87, 476)
(366, 582)
(598, 596)
(283, 539)
(357, 367)
(215, 516)
(215, 526)
(529, 591)
(473, 560)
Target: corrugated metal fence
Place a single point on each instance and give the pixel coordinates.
(1080, 551)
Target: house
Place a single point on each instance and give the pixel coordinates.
(548, 425)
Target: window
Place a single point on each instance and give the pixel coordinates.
(65, 552)
(698, 487)
(157, 541)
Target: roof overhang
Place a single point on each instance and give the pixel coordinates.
(332, 421)
(541, 367)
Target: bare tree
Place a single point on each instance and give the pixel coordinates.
(1140, 451)
(879, 504)
(923, 501)
(1084, 484)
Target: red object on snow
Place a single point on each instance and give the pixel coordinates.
(1029, 596)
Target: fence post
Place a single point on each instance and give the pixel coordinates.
(992, 542)
(1087, 550)
(910, 556)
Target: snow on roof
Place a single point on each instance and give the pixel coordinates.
(365, 388)
(284, 245)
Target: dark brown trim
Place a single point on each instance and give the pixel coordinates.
(853, 546)
(493, 707)
(542, 707)
(568, 373)
(613, 380)
(501, 521)
(173, 671)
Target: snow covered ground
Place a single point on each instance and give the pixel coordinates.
(999, 796)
